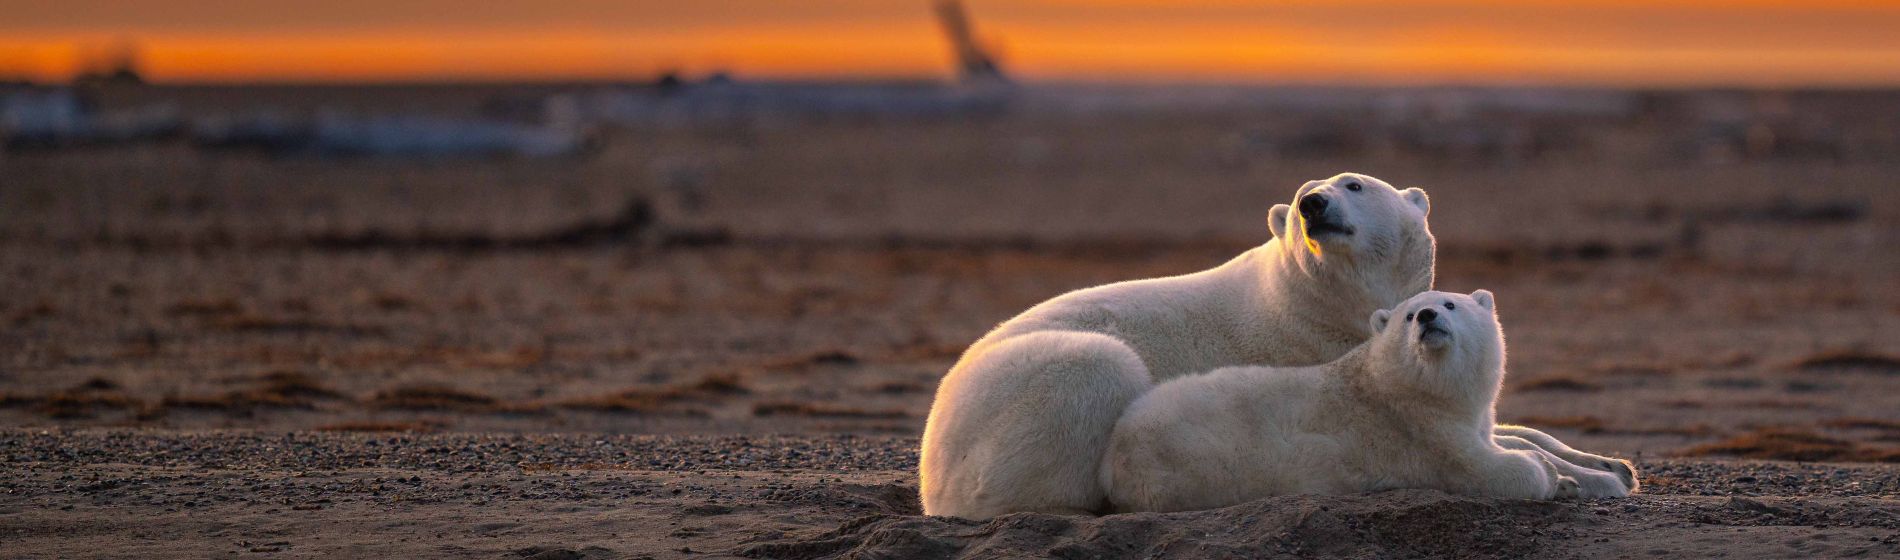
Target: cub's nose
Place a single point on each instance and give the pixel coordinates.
(1426, 315)
(1313, 206)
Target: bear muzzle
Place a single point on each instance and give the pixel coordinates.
(1431, 331)
(1316, 211)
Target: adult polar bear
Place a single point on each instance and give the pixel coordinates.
(1411, 408)
(1021, 421)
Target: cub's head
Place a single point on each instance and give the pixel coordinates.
(1363, 228)
(1442, 343)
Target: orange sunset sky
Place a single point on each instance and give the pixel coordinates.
(1609, 42)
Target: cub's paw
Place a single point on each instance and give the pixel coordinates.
(1598, 484)
(1624, 471)
(1567, 488)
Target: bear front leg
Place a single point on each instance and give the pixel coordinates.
(1591, 483)
(1510, 473)
(1624, 470)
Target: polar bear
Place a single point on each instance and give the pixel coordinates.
(1021, 421)
(1410, 408)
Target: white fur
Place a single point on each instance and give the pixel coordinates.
(1410, 408)
(1020, 423)
(1600, 476)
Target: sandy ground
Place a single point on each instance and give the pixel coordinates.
(1637, 321)
(126, 494)
(726, 340)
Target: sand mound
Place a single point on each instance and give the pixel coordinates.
(1384, 525)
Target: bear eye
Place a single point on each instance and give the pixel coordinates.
(1408, 317)
(1354, 187)
(1450, 305)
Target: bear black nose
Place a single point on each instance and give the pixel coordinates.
(1426, 315)
(1312, 206)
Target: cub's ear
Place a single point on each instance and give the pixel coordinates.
(1379, 319)
(1484, 299)
(1276, 219)
(1417, 197)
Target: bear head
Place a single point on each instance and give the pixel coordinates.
(1362, 230)
(1442, 344)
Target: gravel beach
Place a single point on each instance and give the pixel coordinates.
(137, 493)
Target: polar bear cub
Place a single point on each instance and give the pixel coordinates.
(1410, 408)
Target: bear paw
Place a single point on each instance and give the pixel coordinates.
(1568, 488)
(1624, 470)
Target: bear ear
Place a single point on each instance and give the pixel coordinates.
(1379, 319)
(1484, 299)
(1276, 219)
(1417, 197)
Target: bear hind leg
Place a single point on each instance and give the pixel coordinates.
(1029, 424)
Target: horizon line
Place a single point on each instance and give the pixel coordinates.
(950, 82)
